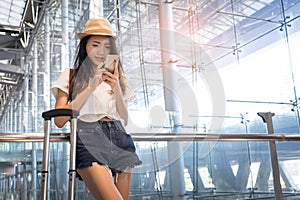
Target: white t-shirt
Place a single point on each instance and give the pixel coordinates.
(101, 103)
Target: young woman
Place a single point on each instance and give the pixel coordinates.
(105, 153)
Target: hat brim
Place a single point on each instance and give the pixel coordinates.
(82, 35)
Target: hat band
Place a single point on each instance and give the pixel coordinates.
(98, 31)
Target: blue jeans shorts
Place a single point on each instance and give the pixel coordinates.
(107, 143)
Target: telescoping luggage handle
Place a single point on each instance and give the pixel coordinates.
(48, 115)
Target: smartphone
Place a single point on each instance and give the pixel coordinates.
(109, 62)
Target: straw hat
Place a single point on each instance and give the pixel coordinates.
(97, 26)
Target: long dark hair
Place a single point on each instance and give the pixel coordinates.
(83, 69)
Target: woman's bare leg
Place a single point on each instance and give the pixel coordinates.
(99, 181)
(123, 183)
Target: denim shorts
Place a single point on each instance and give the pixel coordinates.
(107, 143)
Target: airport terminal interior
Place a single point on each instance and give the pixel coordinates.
(216, 108)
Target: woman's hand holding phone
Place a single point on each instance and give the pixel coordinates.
(111, 76)
(110, 62)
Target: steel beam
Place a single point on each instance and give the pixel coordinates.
(6, 68)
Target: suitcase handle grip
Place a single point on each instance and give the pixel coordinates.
(47, 115)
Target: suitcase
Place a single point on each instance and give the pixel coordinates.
(48, 115)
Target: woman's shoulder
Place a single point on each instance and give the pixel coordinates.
(67, 70)
(61, 83)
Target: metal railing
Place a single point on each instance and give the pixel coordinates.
(154, 137)
(270, 137)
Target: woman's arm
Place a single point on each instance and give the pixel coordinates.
(77, 103)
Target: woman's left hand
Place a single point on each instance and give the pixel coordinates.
(112, 78)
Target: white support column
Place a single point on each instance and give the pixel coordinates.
(34, 118)
(23, 106)
(34, 101)
(34, 171)
(47, 71)
(47, 62)
(65, 35)
(65, 64)
(19, 114)
(25, 100)
(167, 42)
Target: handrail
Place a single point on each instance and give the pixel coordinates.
(143, 137)
(33, 137)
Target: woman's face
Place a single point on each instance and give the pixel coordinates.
(97, 48)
